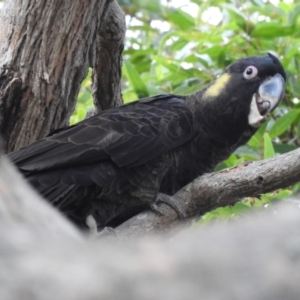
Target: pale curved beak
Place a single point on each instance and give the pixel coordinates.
(269, 95)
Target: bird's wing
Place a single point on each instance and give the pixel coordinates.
(129, 135)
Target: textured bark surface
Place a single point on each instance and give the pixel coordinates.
(109, 47)
(46, 49)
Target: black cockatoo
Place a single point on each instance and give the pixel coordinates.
(122, 160)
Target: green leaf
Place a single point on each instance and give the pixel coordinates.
(283, 193)
(283, 148)
(230, 161)
(181, 19)
(236, 16)
(240, 161)
(88, 80)
(85, 97)
(135, 80)
(129, 95)
(294, 83)
(220, 167)
(283, 123)
(150, 5)
(268, 146)
(247, 153)
(294, 14)
(270, 30)
(256, 139)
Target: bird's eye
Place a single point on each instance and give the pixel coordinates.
(250, 72)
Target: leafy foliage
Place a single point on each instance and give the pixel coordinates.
(171, 49)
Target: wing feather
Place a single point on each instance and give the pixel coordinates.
(129, 135)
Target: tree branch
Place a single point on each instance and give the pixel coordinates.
(220, 189)
(107, 73)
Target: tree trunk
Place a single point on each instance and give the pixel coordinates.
(46, 49)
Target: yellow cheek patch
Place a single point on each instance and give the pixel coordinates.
(216, 88)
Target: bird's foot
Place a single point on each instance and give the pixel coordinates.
(169, 200)
(93, 229)
(92, 225)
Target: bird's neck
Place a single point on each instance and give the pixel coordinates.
(220, 119)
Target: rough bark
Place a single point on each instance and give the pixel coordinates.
(109, 47)
(46, 49)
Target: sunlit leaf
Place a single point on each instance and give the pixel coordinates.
(257, 138)
(181, 19)
(135, 80)
(239, 161)
(150, 5)
(231, 160)
(237, 16)
(271, 30)
(283, 123)
(268, 146)
(294, 15)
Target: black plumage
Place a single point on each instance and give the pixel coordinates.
(114, 164)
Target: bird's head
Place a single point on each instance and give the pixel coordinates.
(245, 94)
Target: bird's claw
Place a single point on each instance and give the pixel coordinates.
(169, 200)
(156, 209)
(93, 230)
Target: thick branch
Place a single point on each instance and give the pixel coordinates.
(108, 59)
(220, 189)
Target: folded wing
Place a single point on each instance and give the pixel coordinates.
(129, 135)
